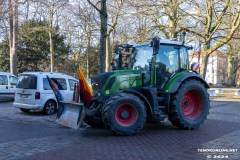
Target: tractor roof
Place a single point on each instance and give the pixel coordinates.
(167, 41)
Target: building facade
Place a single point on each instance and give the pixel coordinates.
(216, 68)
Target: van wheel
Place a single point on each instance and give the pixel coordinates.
(24, 110)
(50, 107)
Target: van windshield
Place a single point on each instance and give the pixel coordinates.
(27, 82)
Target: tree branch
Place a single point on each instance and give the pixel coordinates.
(94, 6)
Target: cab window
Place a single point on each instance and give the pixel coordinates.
(184, 58)
(168, 58)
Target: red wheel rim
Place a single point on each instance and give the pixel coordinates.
(192, 104)
(126, 114)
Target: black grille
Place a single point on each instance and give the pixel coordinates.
(100, 79)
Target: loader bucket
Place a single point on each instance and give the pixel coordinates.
(71, 114)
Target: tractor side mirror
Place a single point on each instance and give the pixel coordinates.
(118, 56)
(155, 43)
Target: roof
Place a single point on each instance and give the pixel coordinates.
(47, 73)
(166, 41)
(6, 73)
(36, 73)
(169, 41)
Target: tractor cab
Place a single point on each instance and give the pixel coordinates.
(157, 63)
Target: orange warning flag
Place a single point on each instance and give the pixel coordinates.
(85, 89)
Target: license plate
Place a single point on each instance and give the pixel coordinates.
(23, 95)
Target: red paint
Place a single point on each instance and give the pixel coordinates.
(130, 119)
(192, 104)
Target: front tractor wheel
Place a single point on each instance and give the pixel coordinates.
(124, 114)
(189, 105)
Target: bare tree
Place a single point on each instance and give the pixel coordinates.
(207, 19)
(165, 15)
(104, 18)
(233, 54)
(114, 21)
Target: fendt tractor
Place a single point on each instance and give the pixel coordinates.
(149, 82)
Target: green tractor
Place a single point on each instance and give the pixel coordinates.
(149, 82)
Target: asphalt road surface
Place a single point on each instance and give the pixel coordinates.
(36, 136)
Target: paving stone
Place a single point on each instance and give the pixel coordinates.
(157, 141)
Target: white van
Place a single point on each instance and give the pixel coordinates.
(33, 91)
(8, 83)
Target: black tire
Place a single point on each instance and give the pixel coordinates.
(94, 122)
(50, 107)
(25, 110)
(124, 114)
(189, 106)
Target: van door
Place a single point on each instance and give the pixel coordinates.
(62, 86)
(26, 89)
(4, 88)
(12, 83)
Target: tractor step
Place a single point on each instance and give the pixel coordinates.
(161, 102)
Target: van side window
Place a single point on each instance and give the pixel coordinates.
(72, 84)
(3, 80)
(13, 80)
(60, 82)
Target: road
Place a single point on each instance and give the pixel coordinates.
(36, 136)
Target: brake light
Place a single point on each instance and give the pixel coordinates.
(37, 95)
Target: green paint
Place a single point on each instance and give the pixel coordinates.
(177, 79)
(124, 79)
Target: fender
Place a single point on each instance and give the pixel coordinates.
(175, 81)
(142, 97)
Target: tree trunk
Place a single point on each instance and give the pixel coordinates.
(13, 35)
(51, 49)
(231, 75)
(108, 53)
(88, 51)
(204, 63)
(104, 18)
(10, 20)
(203, 69)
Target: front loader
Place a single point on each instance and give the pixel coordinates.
(148, 83)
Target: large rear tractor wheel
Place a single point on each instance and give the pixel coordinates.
(124, 114)
(189, 106)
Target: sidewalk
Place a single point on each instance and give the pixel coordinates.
(228, 94)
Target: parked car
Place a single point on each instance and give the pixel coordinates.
(8, 83)
(33, 91)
